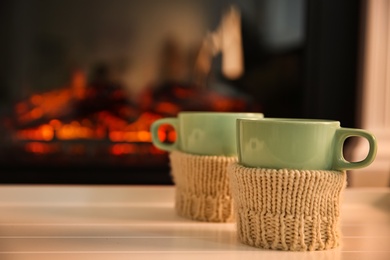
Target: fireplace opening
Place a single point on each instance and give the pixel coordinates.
(92, 126)
(73, 112)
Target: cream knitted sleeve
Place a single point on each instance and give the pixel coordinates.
(296, 210)
(202, 186)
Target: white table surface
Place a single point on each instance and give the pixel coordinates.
(139, 222)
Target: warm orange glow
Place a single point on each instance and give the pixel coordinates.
(222, 105)
(126, 127)
(162, 135)
(79, 84)
(166, 133)
(155, 150)
(36, 100)
(47, 132)
(103, 125)
(36, 113)
(172, 136)
(116, 136)
(39, 148)
(74, 131)
(55, 123)
(100, 132)
(131, 137)
(144, 136)
(111, 121)
(167, 108)
(42, 133)
(122, 149)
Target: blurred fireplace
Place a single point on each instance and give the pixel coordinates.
(92, 126)
(95, 127)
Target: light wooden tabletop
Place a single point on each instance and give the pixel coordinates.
(139, 222)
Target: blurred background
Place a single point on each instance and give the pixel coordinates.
(81, 81)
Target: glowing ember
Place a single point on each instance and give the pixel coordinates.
(70, 119)
(40, 148)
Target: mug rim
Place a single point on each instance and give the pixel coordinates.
(215, 113)
(276, 120)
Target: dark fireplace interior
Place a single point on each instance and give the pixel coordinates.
(82, 81)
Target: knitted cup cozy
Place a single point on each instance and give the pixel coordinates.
(202, 186)
(295, 210)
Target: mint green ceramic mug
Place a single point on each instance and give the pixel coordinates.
(307, 144)
(202, 133)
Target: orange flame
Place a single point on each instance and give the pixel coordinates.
(115, 127)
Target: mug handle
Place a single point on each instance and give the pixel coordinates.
(341, 135)
(154, 131)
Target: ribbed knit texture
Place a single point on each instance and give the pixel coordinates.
(202, 187)
(295, 210)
